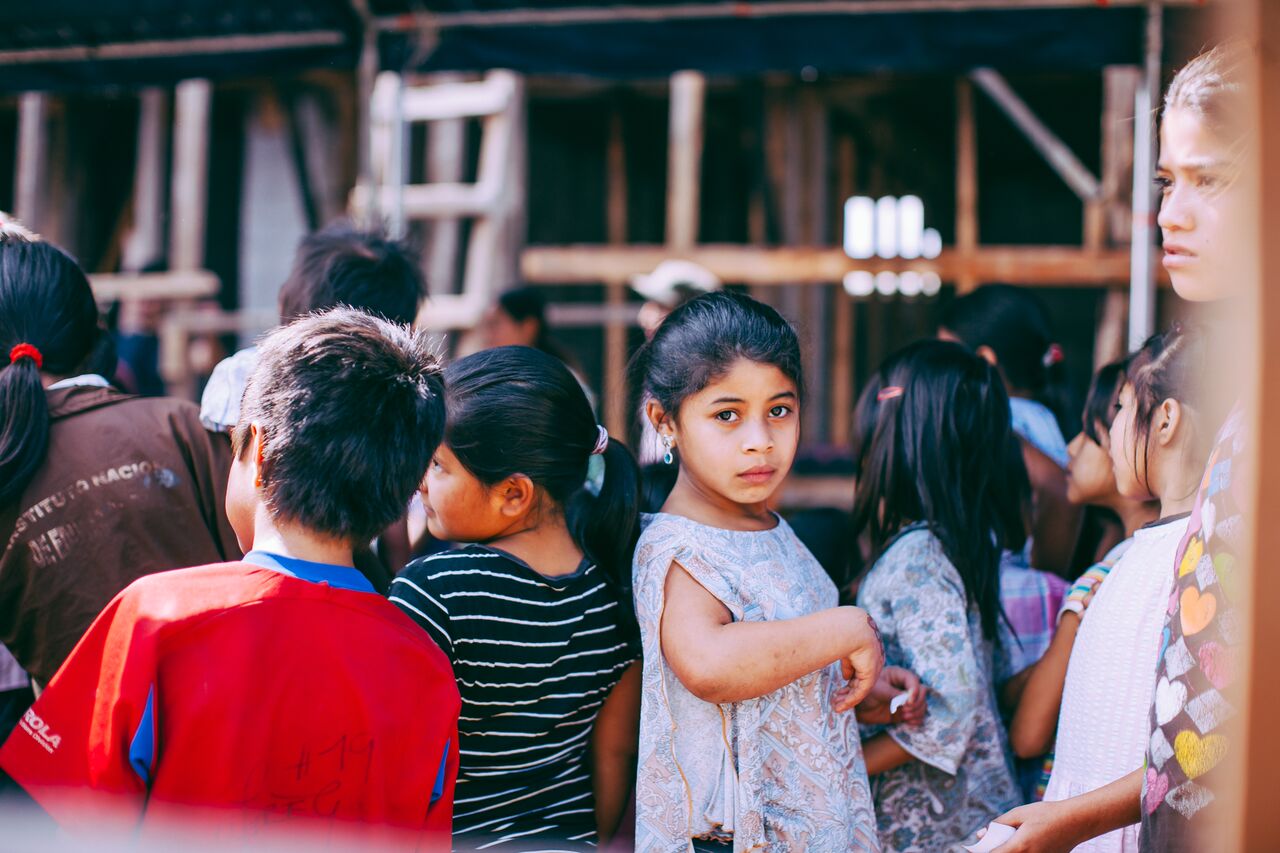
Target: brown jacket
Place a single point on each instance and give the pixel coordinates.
(129, 486)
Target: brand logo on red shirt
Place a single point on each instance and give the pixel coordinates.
(39, 729)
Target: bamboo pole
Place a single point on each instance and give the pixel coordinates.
(966, 183)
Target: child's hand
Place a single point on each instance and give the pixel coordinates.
(894, 681)
(1041, 828)
(861, 667)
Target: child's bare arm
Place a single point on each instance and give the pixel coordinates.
(884, 753)
(720, 660)
(1062, 825)
(614, 744)
(1035, 722)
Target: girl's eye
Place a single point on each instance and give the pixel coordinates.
(726, 416)
(1207, 182)
(779, 411)
(1163, 183)
(435, 463)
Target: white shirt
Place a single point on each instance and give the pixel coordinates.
(1103, 725)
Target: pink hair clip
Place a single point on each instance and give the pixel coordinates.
(889, 392)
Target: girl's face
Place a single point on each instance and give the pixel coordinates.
(1203, 209)
(1128, 461)
(737, 437)
(1091, 476)
(459, 507)
(502, 330)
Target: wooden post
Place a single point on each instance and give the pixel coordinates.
(187, 210)
(1110, 223)
(616, 396)
(446, 157)
(145, 243)
(515, 221)
(192, 104)
(812, 212)
(966, 180)
(842, 332)
(684, 157)
(31, 181)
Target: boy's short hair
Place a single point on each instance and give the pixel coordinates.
(339, 265)
(350, 408)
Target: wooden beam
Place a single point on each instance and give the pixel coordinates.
(1060, 158)
(966, 182)
(684, 157)
(178, 285)
(453, 99)
(1060, 266)
(193, 100)
(31, 179)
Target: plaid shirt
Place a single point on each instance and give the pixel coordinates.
(1030, 599)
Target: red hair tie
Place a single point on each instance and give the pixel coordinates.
(1054, 355)
(889, 392)
(26, 351)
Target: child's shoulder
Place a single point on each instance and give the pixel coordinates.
(914, 551)
(182, 594)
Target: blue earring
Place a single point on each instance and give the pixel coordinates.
(667, 458)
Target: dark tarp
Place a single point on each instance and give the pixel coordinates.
(79, 44)
(1045, 39)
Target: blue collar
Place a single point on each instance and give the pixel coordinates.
(342, 577)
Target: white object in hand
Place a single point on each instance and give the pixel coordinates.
(896, 703)
(997, 834)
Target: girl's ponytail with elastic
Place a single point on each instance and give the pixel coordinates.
(518, 410)
(49, 321)
(606, 525)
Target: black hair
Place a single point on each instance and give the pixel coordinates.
(517, 410)
(656, 482)
(45, 302)
(699, 341)
(1013, 323)
(1173, 366)
(1100, 402)
(529, 303)
(339, 265)
(350, 409)
(939, 449)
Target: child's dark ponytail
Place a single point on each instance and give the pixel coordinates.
(517, 410)
(606, 525)
(49, 321)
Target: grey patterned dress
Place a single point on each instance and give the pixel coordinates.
(781, 772)
(962, 777)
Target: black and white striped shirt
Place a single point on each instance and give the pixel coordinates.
(535, 658)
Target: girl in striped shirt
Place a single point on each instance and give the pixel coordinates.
(535, 613)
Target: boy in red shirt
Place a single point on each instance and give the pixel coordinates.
(281, 691)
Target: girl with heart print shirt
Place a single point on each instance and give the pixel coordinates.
(1159, 442)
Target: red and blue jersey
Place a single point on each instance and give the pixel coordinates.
(270, 694)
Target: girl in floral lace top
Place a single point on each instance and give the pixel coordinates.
(751, 671)
(940, 489)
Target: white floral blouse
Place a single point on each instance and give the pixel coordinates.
(963, 776)
(781, 772)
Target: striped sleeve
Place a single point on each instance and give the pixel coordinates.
(412, 592)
